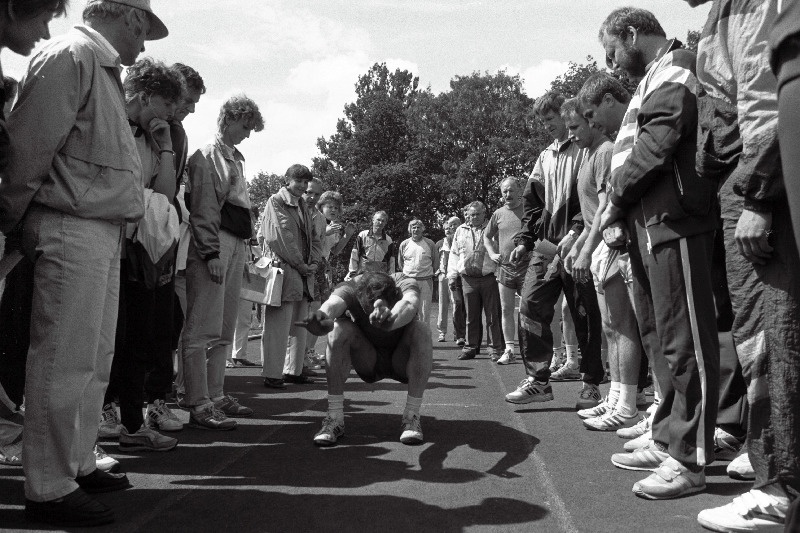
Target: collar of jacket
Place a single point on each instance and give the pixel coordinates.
(106, 54)
(289, 199)
(674, 44)
(228, 152)
(556, 147)
(372, 234)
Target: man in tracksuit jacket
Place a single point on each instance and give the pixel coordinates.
(738, 148)
(552, 213)
(668, 214)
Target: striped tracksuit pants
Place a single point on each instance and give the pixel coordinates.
(674, 306)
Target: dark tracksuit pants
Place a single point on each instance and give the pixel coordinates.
(143, 348)
(15, 328)
(674, 306)
(766, 305)
(540, 293)
(732, 409)
(459, 311)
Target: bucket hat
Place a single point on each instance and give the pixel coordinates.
(157, 28)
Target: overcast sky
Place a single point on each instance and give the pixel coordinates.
(299, 59)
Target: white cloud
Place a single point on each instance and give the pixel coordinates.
(536, 79)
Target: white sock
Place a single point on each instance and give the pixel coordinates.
(510, 346)
(336, 406)
(412, 406)
(613, 394)
(572, 356)
(626, 404)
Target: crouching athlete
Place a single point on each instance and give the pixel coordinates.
(383, 339)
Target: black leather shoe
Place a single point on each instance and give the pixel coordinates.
(76, 509)
(467, 353)
(274, 383)
(99, 481)
(298, 380)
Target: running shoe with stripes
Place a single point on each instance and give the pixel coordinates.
(588, 397)
(757, 510)
(642, 427)
(566, 373)
(598, 410)
(332, 430)
(670, 480)
(530, 391)
(559, 358)
(648, 457)
(642, 440)
(611, 421)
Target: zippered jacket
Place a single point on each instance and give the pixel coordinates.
(551, 207)
(653, 174)
(739, 105)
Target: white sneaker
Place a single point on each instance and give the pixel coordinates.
(635, 431)
(756, 510)
(159, 416)
(104, 462)
(145, 440)
(740, 468)
(412, 430)
(642, 440)
(507, 357)
(559, 358)
(110, 424)
(611, 421)
(598, 410)
(567, 372)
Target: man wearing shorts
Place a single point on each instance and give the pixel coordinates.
(499, 241)
(382, 340)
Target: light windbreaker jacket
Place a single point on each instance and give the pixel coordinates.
(291, 239)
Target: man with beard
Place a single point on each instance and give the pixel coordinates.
(667, 212)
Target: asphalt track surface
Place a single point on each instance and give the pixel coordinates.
(485, 465)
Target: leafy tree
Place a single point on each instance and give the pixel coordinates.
(262, 187)
(692, 40)
(470, 138)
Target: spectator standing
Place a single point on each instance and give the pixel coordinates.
(503, 225)
(668, 214)
(293, 244)
(221, 228)
(195, 88)
(553, 214)
(470, 262)
(417, 259)
(335, 236)
(144, 327)
(738, 147)
(57, 145)
(374, 250)
(446, 296)
(21, 27)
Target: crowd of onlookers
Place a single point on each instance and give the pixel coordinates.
(651, 247)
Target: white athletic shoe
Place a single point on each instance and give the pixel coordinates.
(756, 510)
(507, 357)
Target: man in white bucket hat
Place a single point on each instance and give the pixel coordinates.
(74, 179)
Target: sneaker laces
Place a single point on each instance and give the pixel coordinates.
(329, 425)
(525, 383)
(217, 414)
(759, 502)
(99, 453)
(110, 415)
(412, 423)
